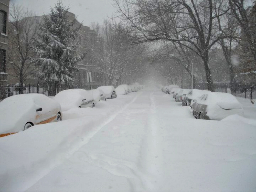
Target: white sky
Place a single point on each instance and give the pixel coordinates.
(86, 11)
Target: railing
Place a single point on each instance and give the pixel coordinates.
(11, 90)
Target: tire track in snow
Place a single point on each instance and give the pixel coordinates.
(151, 151)
(76, 148)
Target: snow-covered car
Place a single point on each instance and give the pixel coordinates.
(137, 86)
(132, 88)
(216, 106)
(122, 90)
(175, 91)
(192, 95)
(96, 95)
(102, 95)
(166, 90)
(181, 95)
(171, 87)
(109, 91)
(20, 112)
(74, 98)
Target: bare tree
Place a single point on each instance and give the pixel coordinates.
(228, 26)
(247, 24)
(22, 31)
(191, 24)
(121, 59)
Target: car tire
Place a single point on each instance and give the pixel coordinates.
(28, 125)
(59, 117)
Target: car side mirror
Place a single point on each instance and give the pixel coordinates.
(39, 109)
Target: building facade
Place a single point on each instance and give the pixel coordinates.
(4, 12)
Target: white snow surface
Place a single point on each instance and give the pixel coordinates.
(143, 141)
(16, 111)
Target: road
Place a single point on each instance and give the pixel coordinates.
(153, 144)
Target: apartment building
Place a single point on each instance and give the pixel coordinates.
(4, 12)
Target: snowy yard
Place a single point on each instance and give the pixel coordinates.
(143, 141)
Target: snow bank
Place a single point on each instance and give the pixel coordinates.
(239, 119)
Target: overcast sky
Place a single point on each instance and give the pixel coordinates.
(87, 11)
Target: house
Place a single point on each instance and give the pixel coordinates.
(4, 12)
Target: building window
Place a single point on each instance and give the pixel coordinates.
(2, 60)
(3, 21)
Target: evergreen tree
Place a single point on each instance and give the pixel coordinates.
(56, 48)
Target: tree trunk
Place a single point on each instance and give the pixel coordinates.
(227, 55)
(208, 73)
(232, 79)
(21, 83)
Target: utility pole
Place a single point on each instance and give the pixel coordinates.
(192, 75)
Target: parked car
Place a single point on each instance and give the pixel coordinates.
(102, 95)
(122, 90)
(96, 95)
(165, 89)
(216, 106)
(192, 95)
(74, 98)
(109, 91)
(181, 95)
(175, 91)
(20, 112)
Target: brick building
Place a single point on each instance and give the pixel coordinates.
(4, 11)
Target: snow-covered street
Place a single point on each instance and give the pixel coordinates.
(143, 141)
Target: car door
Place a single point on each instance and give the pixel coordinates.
(48, 113)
